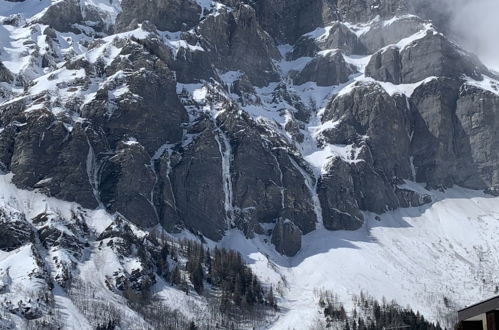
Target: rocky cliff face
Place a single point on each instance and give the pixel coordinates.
(120, 120)
(208, 116)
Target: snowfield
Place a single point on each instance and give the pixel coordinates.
(415, 256)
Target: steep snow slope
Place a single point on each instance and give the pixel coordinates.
(416, 256)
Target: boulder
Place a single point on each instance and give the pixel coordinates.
(286, 237)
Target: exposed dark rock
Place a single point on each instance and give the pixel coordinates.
(337, 196)
(7, 142)
(368, 111)
(15, 231)
(149, 109)
(386, 65)
(118, 228)
(167, 15)
(366, 10)
(431, 56)
(266, 183)
(378, 127)
(126, 184)
(50, 157)
(237, 42)
(373, 189)
(286, 237)
(478, 114)
(169, 126)
(338, 36)
(69, 16)
(382, 34)
(256, 176)
(326, 70)
(5, 74)
(410, 198)
(297, 199)
(198, 183)
(441, 154)
(293, 127)
(52, 237)
(164, 197)
(122, 240)
(286, 20)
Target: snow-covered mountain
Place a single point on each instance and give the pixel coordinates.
(340, 146)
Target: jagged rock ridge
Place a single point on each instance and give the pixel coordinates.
(191, 114)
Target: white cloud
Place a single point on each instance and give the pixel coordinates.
(475, 24)
(472, 23)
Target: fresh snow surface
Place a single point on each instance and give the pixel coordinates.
(403, 89)
(487, 84)
(416, 256)
(15, 269)
(406, 42)
(32, 203)
(320, 158)
(399, 18)
(28, 8)
(109, 7)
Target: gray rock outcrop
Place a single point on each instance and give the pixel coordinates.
(286, 237)
(167, 15)
(431, 56)
(327, 70)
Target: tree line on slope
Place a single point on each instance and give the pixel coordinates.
(233, 292)
(369, 314)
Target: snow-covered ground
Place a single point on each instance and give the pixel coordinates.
(416, 256)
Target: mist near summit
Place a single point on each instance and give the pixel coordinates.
(474, 24)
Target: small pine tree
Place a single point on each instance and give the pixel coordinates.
(176, 277)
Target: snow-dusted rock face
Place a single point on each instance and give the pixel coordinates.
(272, 118)
(194, 115)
